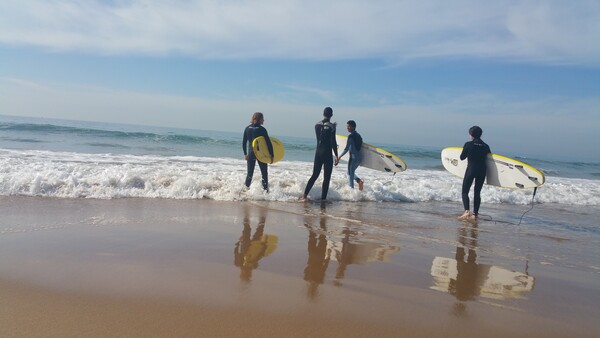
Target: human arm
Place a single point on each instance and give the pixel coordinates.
(349, 144)
(318, 127)
(334, 145)
(244, 143)
(465, 151)
(269, 144)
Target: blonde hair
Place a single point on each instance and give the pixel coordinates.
(255, 117)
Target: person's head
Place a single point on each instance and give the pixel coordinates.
(328, 112)
(475, 132)
(257, 118)
(351, 125)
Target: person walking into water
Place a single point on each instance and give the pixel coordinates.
(475, 151)
(353, 145)
(325, 132)
(254, 130)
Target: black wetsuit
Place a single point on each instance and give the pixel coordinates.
(476, 152)
(325, 132)
(250, 133)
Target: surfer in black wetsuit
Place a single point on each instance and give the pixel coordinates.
(476, 152)
(325, 132)
(254, 130)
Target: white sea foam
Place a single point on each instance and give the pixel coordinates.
(77, 175)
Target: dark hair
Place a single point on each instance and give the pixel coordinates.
(352, 123)
(328, 112)
(475, 131)
(255, 117)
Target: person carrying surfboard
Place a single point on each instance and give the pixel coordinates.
(325, 132)
(254, 130)
(476, 151)
(353, 146)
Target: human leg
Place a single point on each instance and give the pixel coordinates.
(353, 177)
(477, 194)
(466, 186)
(317, 165)
(328, 169)
(265, 175)
(351, 170)
(467, 182)
(251, 162)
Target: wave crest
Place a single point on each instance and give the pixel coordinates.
(76, 175)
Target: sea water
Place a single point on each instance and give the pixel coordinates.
(76, 159)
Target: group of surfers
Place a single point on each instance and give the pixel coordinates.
(475, 151)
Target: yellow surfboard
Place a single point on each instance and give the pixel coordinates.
(261, 151)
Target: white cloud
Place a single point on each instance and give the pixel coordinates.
(321, 93)
(550, 31)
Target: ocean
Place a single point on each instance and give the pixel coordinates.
(77, 159)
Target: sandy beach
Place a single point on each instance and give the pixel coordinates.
(161, 267)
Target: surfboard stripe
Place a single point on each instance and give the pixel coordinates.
(524, 165)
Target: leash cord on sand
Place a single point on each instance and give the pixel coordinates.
(520, 219)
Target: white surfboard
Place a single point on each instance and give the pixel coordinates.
(483, 280)
(502, 171)
(373, 157)
(359, 253)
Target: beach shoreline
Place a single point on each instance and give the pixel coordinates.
(156, 267)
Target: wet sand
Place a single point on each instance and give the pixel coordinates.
(151, 267)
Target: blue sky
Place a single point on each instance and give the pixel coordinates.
(409, 72)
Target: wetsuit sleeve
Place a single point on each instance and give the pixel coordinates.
(465, 151)
(269, 144)
(318, 132)
(245, 141)
(334, 142)
(348, 145)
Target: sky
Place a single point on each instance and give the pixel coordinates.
(409, 72)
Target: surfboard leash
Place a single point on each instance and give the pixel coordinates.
(391, 179)
(491, 219)
(532, 205)
(241, 190)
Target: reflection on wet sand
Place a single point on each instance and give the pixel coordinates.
(466, 279)
(318, 255)
(346, 252)
(342, 246)
(250, 249)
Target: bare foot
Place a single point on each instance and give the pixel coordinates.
(465, 215)
(361, 185)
